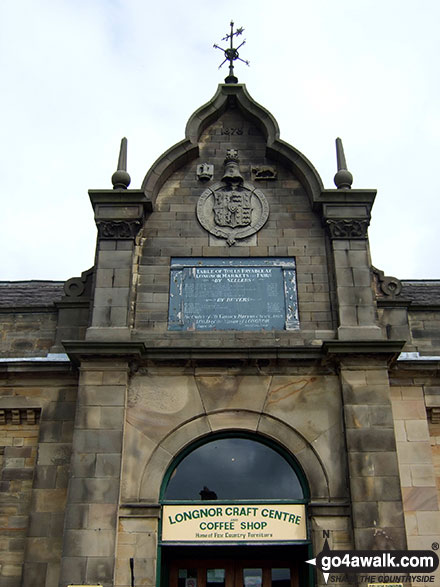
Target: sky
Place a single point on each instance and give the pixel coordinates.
(78, 75)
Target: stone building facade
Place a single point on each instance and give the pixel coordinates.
(232, 310)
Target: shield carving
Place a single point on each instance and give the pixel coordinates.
(232, 208)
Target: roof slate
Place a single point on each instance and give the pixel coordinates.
(421, 292)
(30, 293)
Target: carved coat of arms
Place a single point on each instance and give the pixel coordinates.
(233, 209)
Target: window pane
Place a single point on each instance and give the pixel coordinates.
(233, 468)
(280, 577)
(215, 577)
(187, 578)
(252, 577)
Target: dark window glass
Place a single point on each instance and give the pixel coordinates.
(233, 468)
(280, 577)
(215, 577)
(187, 578)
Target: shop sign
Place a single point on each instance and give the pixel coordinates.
(233, 523)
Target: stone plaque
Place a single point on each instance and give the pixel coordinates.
(233, 294)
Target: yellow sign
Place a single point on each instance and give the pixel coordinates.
(233, 523)
(385, 584)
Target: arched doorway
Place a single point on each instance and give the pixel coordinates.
(234, 515)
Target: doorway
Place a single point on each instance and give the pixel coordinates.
(230, 573)
(241, 566)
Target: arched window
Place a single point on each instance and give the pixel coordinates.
(234, 468)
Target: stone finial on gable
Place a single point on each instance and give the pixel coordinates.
(120, 178)
(343, 178)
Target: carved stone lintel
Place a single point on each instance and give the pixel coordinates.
(386, 285)
(347, 228)
(118, 229)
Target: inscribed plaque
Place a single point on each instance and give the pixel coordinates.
(233, 294)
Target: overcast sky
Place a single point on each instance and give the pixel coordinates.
(78, 75)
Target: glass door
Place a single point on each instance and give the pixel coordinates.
(233, 573)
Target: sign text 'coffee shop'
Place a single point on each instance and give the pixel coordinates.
(233, 523)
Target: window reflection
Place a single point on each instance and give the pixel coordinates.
(233, 468)
(252, 577)
(187, 578)
(215, 577)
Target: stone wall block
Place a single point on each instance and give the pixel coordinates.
(49, 500)
(108, 465)
(361, 464)
(39, 524)
(45, 477)
(291, 398)
(98, 441)
(371, 440)
(102, 516)
(77, 517)
(390, 514)
(416, 452)
(43, 549)
(73, 570)
(84, 464)
(33, 574)
(157, 405)
(385, 538)
(102, 490)
(385, 463)
(366, 514)
(108, 395)
(90, 543)
(114, 259)
(233, 391)
(138, 449)
(357, 416)
(100, 569)
(420, 498)
(233, 419)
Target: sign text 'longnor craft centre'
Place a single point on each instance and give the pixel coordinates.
(233, 523)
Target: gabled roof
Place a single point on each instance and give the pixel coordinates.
(188, 149)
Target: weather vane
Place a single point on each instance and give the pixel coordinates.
(231, 54)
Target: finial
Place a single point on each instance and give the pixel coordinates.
(231, 54)
(232, 170)
(120, 178)
(343, 178)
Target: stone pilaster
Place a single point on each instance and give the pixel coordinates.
(346, 214)
(378, 521)
(119, 216)
(94, 484)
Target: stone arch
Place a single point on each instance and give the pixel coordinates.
(188, 149)
(271, 428)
